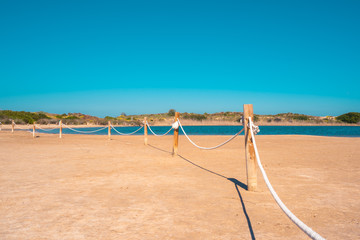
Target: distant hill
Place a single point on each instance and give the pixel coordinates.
(236, 117)
(22, 117)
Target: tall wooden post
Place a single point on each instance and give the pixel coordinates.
(176, 135)
(145, 132)
(12, 126)
(34, 130)
(249, 149)
(109, 130)
(60, 130)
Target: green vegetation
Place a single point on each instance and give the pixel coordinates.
(21, 117)
(301, 117)
(171, 112)
(294, 116)
(194, 116)
(72, 117)
(110, 118)
(61, 116)
(351, 117)
(65, 116)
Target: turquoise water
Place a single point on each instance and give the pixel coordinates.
(339, 131)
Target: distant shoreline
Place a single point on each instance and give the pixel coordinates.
(186, 123)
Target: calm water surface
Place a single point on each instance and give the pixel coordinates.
(339, 131)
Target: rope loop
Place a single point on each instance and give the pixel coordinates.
(157, 135)
(27, 129)
(208, 148)
(125, 133)
(46, 130)
(79, 131)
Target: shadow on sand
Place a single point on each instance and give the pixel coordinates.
(236, 183)
(159, 149)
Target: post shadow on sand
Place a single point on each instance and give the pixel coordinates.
(159, 149)
(236, 182)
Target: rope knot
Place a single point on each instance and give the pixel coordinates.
(255, 129)
(175, 125)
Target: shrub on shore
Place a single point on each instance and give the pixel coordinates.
(21, 117)
(171, 112)
(351, 117)
(194, 116)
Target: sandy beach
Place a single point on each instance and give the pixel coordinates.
(88, 187)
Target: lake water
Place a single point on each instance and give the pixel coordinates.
(339, 131)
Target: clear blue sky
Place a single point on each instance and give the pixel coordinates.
(108, 57)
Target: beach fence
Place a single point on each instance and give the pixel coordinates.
(252, 156)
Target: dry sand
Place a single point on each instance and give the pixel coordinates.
(87, 187)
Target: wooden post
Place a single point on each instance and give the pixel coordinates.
(34, 130)
(249, 149)
(176, 135)
(145, 132)
(60, 130)
(109, 130)
(12, 126)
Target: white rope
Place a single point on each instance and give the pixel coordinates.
(79, 131)
(208, 148)
(28, 129)
(46, 130)
(125, 133)
(255, 129)
(21, 126)
(158, 135)
(311, 233)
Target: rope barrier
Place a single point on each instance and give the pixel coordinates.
(79, 131)
(253, 130)
(125, 133)
(28, 129)
(158, 135)
(209, 148)
(21, 126)
(311, 233)
(46, 130)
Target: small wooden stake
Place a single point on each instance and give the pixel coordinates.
(12, 126)
(109, 130)
(176, 136)
(249, 150)
(60, 130)
(34, 130)
(145, 132)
